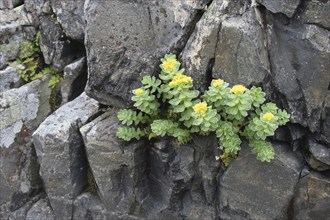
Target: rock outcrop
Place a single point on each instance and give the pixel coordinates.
(69, 164)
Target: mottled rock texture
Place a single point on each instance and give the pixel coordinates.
(76, 168)
(21, 111)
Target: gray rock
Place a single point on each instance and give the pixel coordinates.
(137, 37)
(61, 154)
(38, 7)
(74, 80)
(241, 56)
(312, 198)
(21, 111)
(88, 206)
(199, 53)
(40, 210)
(296, 51)
(317, 12)
(20, 214)
(325, 131)
(57, 50)
(70, 14)
(287, 7)
(117, 166)
(183, 180)
(26, 106)
(162, 182)
(9, 4)
(320, 152)
(9, 78)
(251, 189)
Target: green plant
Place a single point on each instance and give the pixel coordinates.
(230, 112)
(30, 65)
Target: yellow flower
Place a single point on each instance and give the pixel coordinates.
(268, 116)
(217, 83)
(238, 89)
(169, 65)
(200, 108)
(180, 79)
(138, 91)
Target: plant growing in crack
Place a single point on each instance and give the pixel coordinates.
(170, 106)
(30, 64)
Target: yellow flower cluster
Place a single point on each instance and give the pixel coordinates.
(268, 116)
(238, 89)
(180, 79)
(200, 108)
(138, 91)
(169, 65)
(217, 83)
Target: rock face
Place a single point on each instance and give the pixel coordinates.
(61, 153)
(136, 36)
(71, 17)
(161, 182)
(75, 167)
(267, 188)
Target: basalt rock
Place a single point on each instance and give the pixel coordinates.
(267, 189)
(61, 153)
(88, 173)
(137, 37)
(312, 197)
(21, 112)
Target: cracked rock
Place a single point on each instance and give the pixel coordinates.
(61, 153)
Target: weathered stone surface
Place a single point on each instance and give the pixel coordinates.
(241, 56)
(250, 189)
(317, 12)
(57, 50)
(74, 80)
(117, 166)
(61, 154)
(21, 111)
(199, 53)
(121, 47)
(312, 198)
(296, 51)
(20, 214)
(9, 78)
(70, 14)
(38, 7)
(287, 7)
(88, 206)
(9, 4)
(40, 210)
